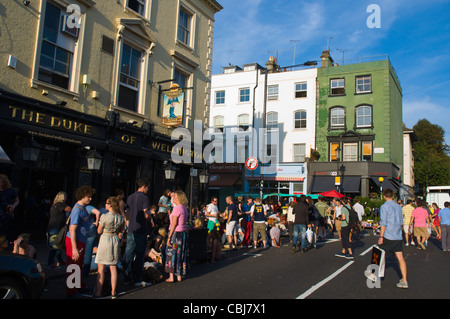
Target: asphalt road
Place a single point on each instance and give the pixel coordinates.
(278, 274)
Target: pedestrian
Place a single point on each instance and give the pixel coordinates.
(275, 234)
(359, 209)
(58, 215)
(120, 194)
(247, 221)
(8, 203)
(94, 218)
(231, 223)
(436, 225)
(212, 213)
(314, 219)
(137, 216)
(407, 226)
(258, 213)
(177, 243)
(301, 222)
(391, 240)
(336, 216)
(444, 219)
(22, 246)
(162, 217)
(323, 209)
(290, 220)
(420, 218)
(77, 235)
(216, 245)
(345, 230)
(108, 251)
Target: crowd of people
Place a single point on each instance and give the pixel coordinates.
(147, 241)
(141, 239)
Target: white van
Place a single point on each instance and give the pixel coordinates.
(438, 195)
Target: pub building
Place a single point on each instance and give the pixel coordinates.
(50, 148)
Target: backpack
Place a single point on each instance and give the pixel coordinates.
(353, 219)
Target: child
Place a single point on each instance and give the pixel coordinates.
(22, 246)
(216, 245)
(156, 253)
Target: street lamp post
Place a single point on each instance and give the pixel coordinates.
(338, 155)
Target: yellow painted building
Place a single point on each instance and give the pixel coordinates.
(113, 56)
(84, 75)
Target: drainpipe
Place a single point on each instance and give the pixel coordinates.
(253, 120)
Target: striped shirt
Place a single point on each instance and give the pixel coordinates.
(407, 212)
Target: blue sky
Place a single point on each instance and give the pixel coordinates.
(415, 34)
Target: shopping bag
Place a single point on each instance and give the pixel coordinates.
(378, 258)
(309, 235)
(59, 240)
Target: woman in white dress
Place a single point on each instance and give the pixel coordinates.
(108, 251)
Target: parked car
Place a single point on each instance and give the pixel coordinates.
(20, 277)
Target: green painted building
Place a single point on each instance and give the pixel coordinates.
(359, 132)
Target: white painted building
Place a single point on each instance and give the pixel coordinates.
(244, 99)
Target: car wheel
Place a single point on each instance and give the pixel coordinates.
(11, 289)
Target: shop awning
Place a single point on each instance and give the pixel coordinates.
(387, 183)
(321, 184)
(350, 184)
(223, 180)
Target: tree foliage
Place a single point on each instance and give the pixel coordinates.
(431, 162)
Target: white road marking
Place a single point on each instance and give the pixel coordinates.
(250, 254)
(323, 282)
(366, 251)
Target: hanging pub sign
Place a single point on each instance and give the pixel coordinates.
(173, 106)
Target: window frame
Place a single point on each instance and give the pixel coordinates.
(357, 85)
(134, 33)
(272, 125)
(219, 127)
(216, 98)
(350, 156)
(73, 87)
(188, 40)
(138, 79)
(300, 90)
(330, 118)
(300, 120)
(146, 12)
(298, 156)
(271, 96)
(242, 95)
(243, 122)
(332, 152)
(362, 151)
(357, 117)
(337, 88)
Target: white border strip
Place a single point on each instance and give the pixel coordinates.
(323, 282)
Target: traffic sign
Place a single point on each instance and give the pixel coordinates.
(251, 163)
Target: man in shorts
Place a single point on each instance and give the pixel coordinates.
(420, 218)
(391, 239)
(231, 221)
(407, 227)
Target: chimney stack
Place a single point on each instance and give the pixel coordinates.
(327, 60)
(272, 66)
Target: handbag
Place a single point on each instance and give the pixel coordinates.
(309, 235)
(59, 240)
(378, 258)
